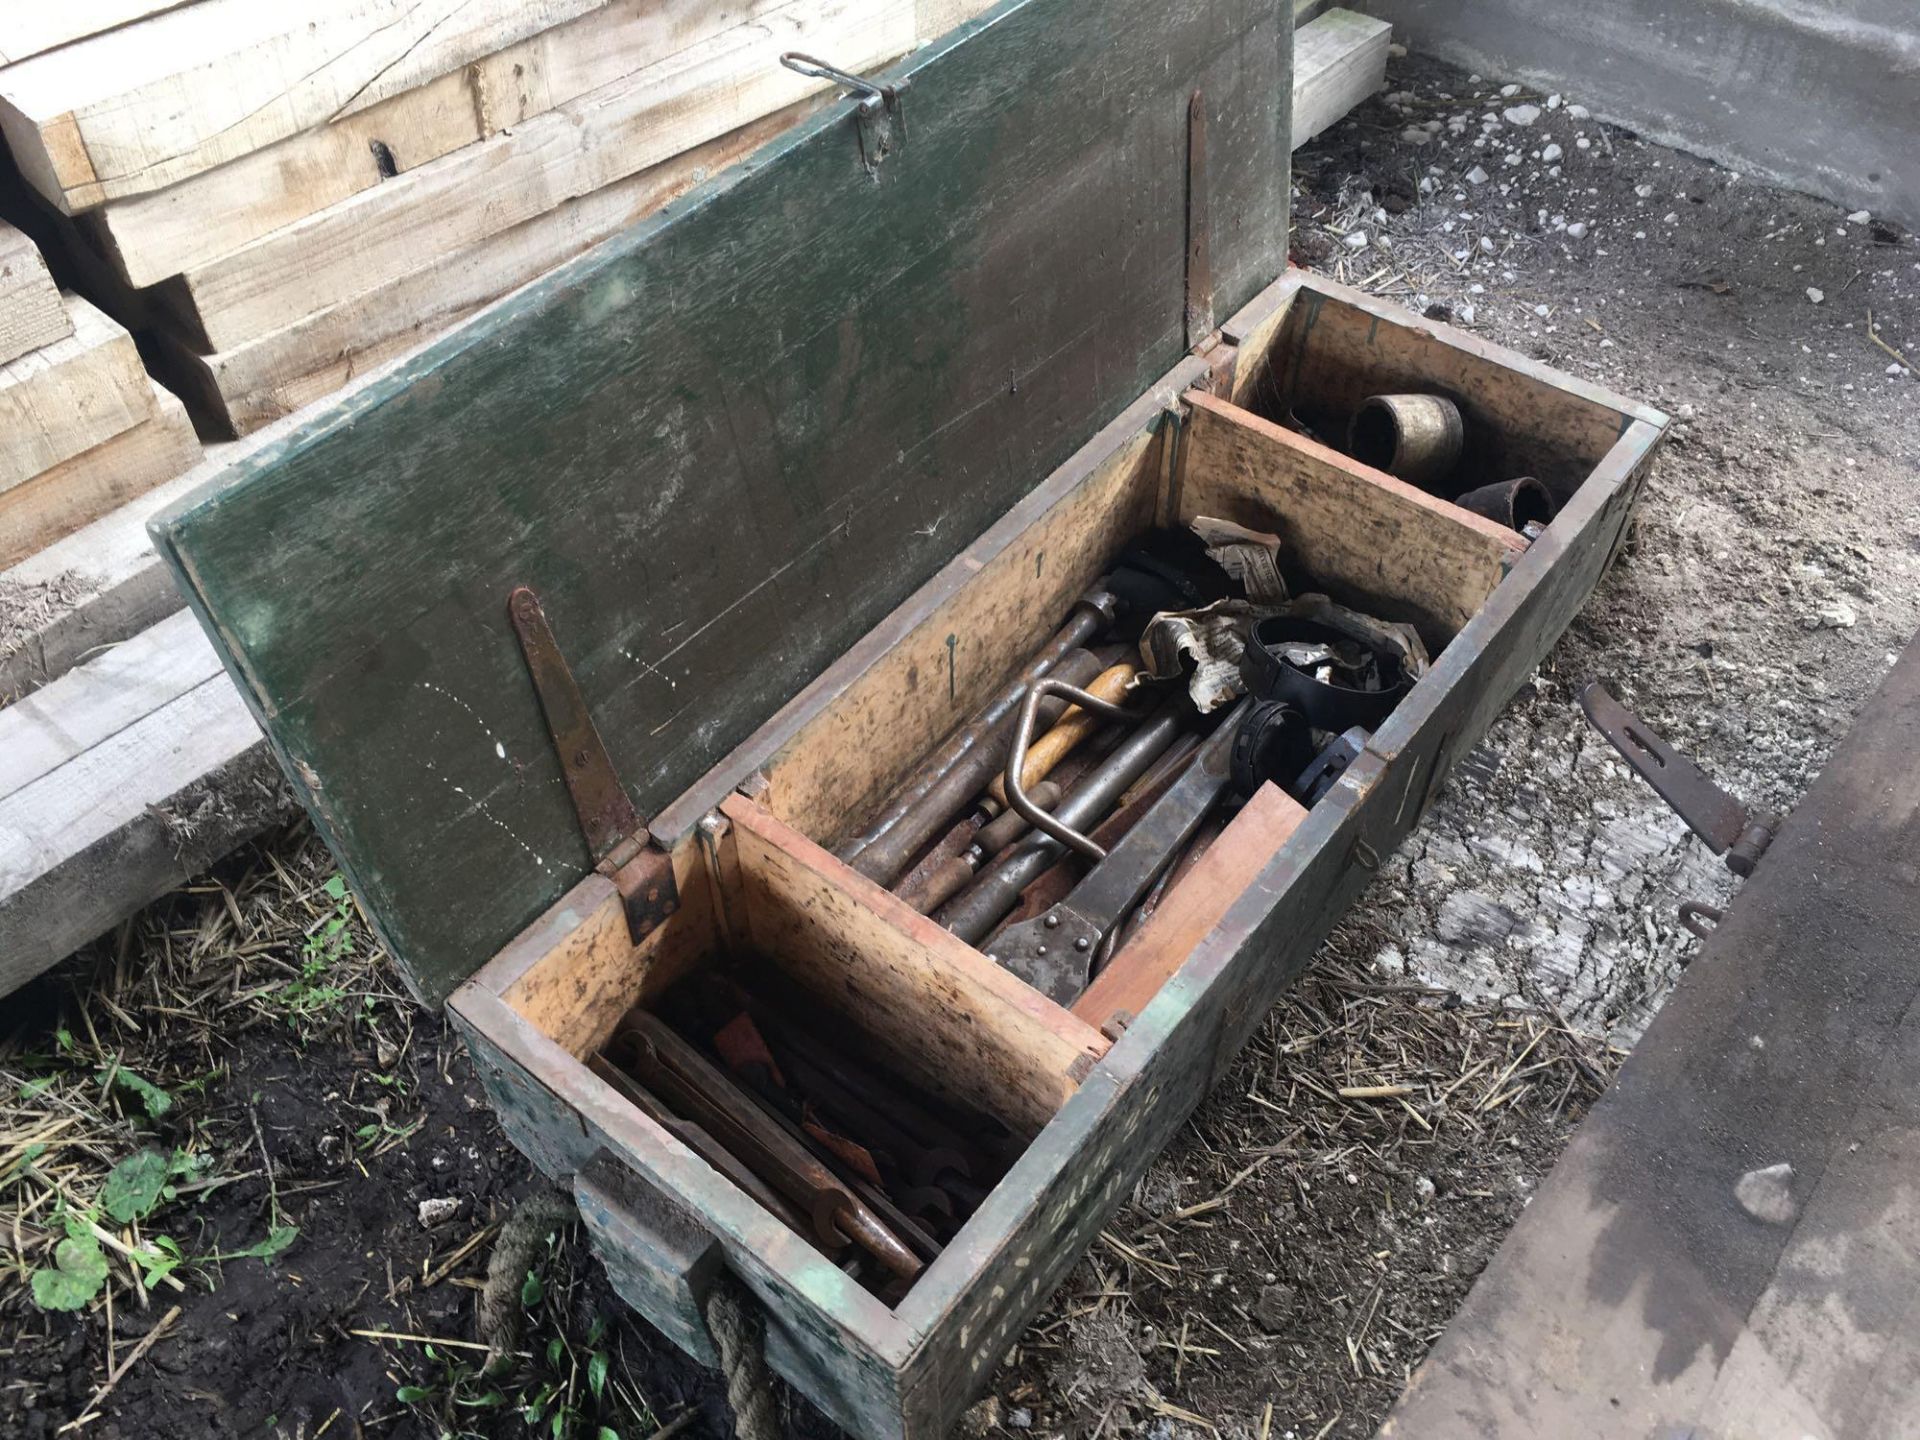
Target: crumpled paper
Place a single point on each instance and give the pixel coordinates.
(1205, 645)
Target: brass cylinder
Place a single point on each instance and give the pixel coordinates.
(1416, 438)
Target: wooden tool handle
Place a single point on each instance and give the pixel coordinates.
(1073, 726)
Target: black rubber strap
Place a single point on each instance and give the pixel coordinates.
(1272, 743)
(1269, 675)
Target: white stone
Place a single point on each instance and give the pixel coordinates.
(1643, 191)
(1672, 217)
(1507, 92)
(1542, 311)
(1476, 176)
(1356, 240)
(1553, 102)
(1816, 294)
(1577, 230)
(1522, 115)
(1466, 314)
(1414, 136)
(1583, 143)
(1486, 245)
(433, 1212)
(1551, 154)
(1859, 217)
(1835, 615)
(1767, 1194)
(1579, 112)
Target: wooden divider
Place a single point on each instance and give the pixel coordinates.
(1191, 909)
(946, 1014)
(1349, 526)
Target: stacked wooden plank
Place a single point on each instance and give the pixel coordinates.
(82, 428)
(304, 190)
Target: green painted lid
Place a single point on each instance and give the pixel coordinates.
(724, 444)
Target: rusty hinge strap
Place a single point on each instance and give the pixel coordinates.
(1726, 825)
(1199, 238)
(614, 831)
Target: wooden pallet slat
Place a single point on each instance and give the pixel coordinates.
(32, 315)
(29, 29)
(81, 489)
(417, 218)
(71, 396)
(1339, 59)
(257, 382)
(188, 89)
(173, 778)
(206, 216)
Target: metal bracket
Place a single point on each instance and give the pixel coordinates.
(878, 109)
(1199, 237)
(615, 833)
(1727, 826)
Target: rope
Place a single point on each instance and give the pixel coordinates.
(739, 1328)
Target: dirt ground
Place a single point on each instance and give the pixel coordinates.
(1288, 1260)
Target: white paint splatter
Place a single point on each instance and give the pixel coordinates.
(480, 807)
(650, 668)
(499, 748)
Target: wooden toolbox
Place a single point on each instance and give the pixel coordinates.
(800, 472)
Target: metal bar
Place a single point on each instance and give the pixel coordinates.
(606, 813)
(1199, 234)
(1054, 952)
(962, 767)
(1710, 812)
(668, 1063)
(975, 911)
(1023, 732)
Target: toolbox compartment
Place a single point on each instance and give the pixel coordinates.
(1099, 1086)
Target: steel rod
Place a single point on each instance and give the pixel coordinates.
(973, 913)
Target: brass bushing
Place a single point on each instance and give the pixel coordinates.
(1414, 437)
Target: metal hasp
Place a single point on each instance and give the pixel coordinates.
(1727, 826)
(877, 108)
(615, 833)
(1054, 952)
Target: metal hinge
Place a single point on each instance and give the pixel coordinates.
(615, 832)
(1727, 826)
(879, 110)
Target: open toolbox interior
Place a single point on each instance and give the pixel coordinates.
(822, 1020)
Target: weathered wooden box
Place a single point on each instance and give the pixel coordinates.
(801, 470)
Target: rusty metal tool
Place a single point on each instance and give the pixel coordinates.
(978, 908)
(699, 1090)
(1039, 757)
(889, 1098)
(954, 774)
(705, 1146)
(1054, 952)
(927, 892)
(1728, 827)
(949, 794)
(1056, 882)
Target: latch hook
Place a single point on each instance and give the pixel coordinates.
(877, 108)
(872, 98)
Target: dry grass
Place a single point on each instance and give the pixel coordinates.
(1287, 1262)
